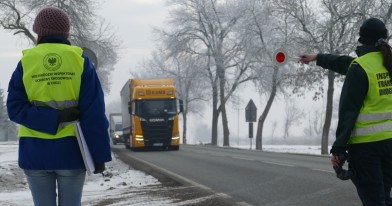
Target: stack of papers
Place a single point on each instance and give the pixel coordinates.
(87, 158)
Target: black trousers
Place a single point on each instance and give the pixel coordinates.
(372, 165)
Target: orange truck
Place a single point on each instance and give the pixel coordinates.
(150, 111)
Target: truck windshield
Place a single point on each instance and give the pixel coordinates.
(118, 127)
(155, 107)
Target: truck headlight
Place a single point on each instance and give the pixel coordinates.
(139, 138)
(176, 137)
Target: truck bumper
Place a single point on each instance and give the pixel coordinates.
(157, 142)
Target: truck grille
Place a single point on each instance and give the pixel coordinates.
(157, 132)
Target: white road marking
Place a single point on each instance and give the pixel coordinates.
(242, 158)
(275, 163)
(321, 170)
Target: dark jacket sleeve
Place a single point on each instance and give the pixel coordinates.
(93, 120)
(336, 63)
(354, 92)
(21, 111)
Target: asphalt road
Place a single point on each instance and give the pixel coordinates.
(254, 177)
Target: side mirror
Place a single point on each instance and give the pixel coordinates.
(181, 106)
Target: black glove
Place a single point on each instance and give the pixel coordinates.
(99, 167)
(69, 115)
(338, 161)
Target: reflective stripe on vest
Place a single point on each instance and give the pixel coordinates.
(372, 129)
(56, 104)
(374, 117)
(52, 77)
(374, 123)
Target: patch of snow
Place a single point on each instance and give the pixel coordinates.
(296, 149)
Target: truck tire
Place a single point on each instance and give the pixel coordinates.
(126, 143)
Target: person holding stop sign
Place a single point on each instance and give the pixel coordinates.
(364, 131)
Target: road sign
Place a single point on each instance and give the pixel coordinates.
(250, 129)
(250, 112)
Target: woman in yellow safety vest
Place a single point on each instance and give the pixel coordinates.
(364, 131)
(54, 85)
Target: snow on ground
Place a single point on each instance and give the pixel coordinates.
(119, 186)
(297, 149)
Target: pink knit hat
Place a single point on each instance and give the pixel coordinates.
(51, 21)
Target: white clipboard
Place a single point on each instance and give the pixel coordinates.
(86, 155)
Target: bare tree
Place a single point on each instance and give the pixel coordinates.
(208, 28)
(4, 121)
(7, 127)
(318, 122)
(87, 29)
(293, 116)
(273, 128)
(308, 130)
(113, 107)
(315, 123)
(13, 18)
(269, 32)
(3, 108)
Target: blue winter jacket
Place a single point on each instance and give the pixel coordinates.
(62, 153)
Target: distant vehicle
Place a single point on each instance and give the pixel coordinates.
(150, 109)
(115, 125)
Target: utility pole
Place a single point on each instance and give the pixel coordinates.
(238, 127)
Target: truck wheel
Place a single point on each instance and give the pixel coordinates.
(175, 148)
(126, 143)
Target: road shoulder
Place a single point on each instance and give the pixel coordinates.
(185, 191)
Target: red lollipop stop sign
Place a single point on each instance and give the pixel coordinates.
(280, 57)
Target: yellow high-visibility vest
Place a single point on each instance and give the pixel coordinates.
(52, 77)
(374, 122)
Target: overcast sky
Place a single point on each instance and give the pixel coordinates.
(132, 21)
